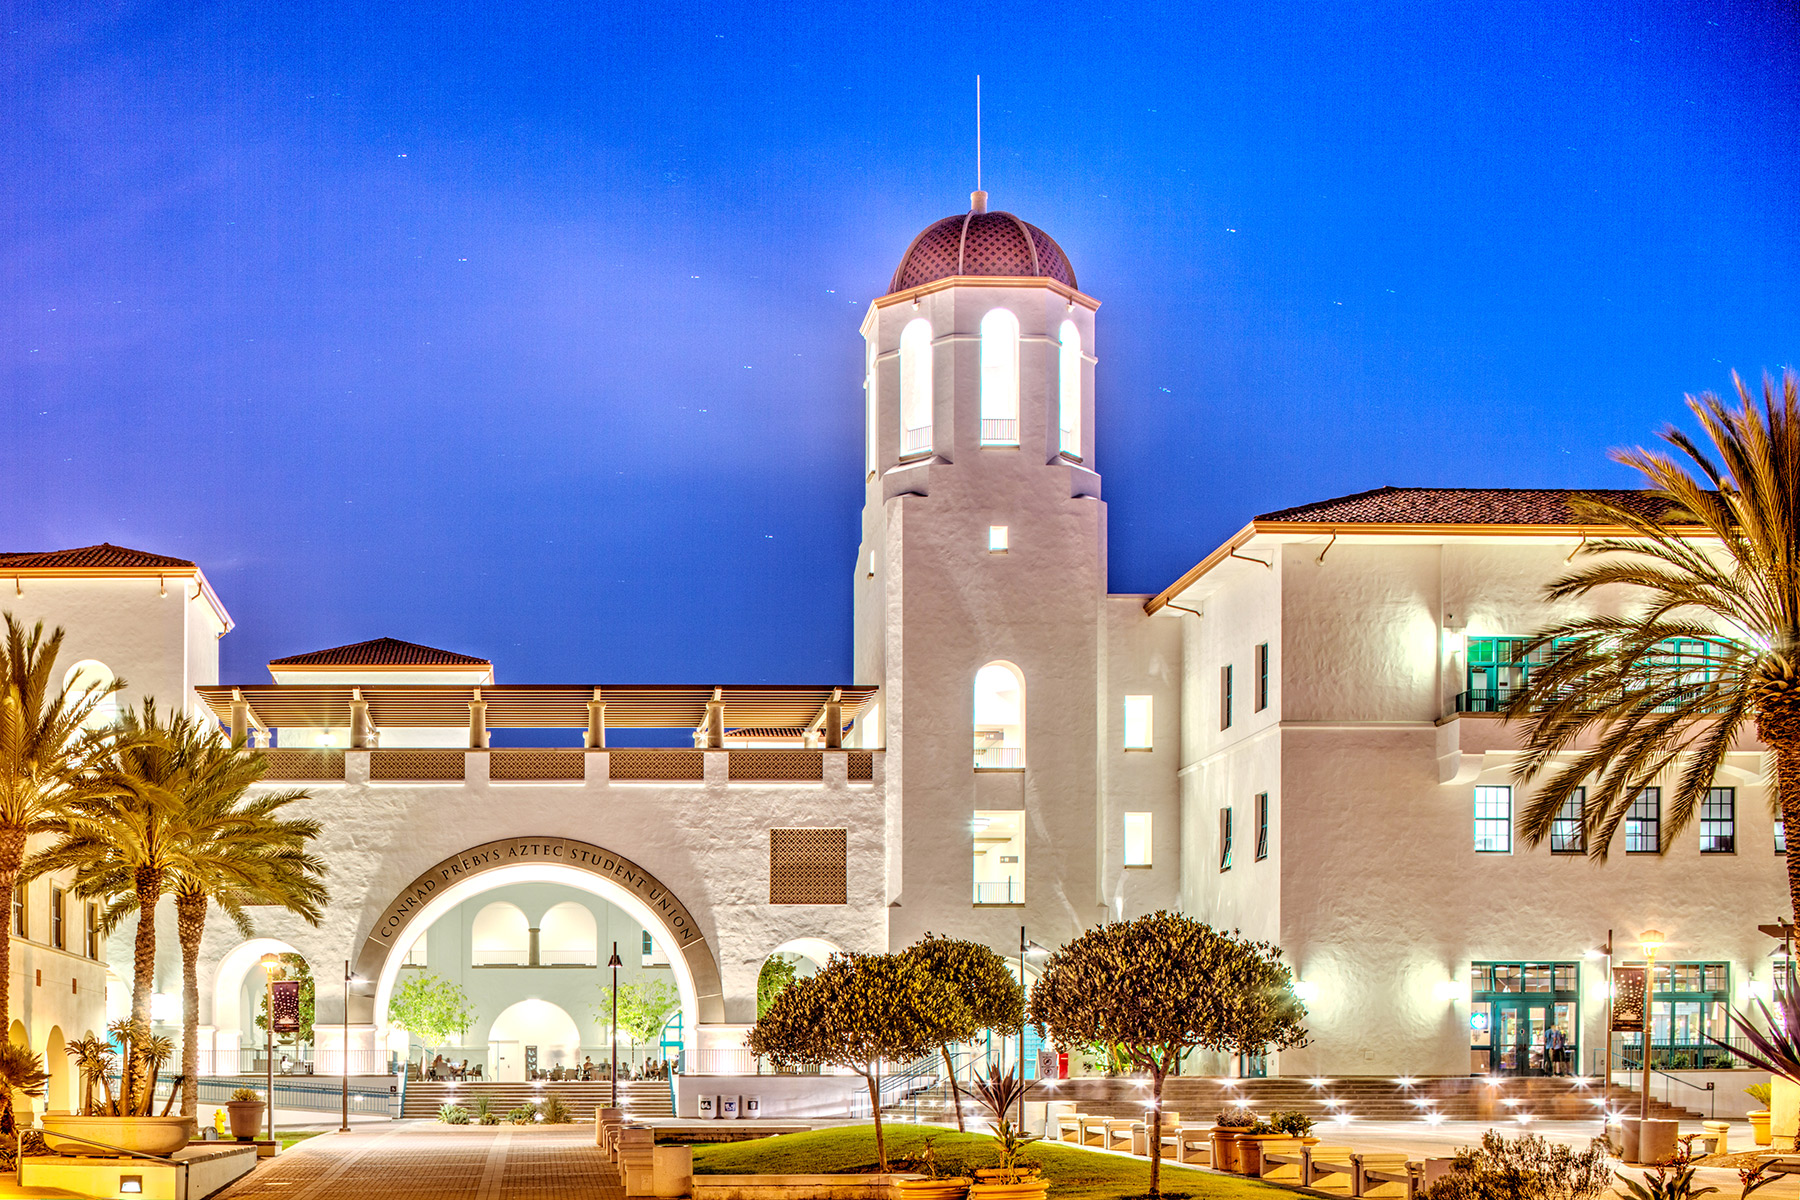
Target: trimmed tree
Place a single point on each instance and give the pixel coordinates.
(1163, 985)
(433, 1008)
(976, 991)
(856, 1012)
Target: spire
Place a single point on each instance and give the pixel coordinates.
(978, 198)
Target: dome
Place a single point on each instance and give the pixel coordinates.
(979, 242)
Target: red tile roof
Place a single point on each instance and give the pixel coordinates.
(381, 652)
(103, 556)
(1458, 506)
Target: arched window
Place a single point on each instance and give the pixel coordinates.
(915, 387)
(568, 937)
(999, 378)
(999, 716)
(1069, 390)
(91, 677)
(500, 937)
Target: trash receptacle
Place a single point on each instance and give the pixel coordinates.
(708, 1106)
(728, 1108)
(752, 1107)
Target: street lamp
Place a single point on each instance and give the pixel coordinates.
(1606, 952)
(1652, 941)
(1026, 946)
(269, 963)
(344, 1065)
(615, 963)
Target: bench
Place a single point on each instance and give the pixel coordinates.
(1193, 1144)
(1329, 1169)
(1068, 1127)
(1117, 1130)
(1285, 1164)
(1386, 1174)
(1091, 1131)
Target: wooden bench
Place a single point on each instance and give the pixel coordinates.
(1385, 1174)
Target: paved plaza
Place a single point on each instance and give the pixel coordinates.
(428, 1161)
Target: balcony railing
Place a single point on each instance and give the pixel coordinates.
(1482, 701)
(519, 766)
(667, 766)
(999, 757)
(1000, 891)
(304, 765)
(999, 431)
(776, 766)
(915, 441)
(415, 766)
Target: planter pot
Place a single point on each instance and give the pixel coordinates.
(246, 1118)
(146, 1135)
(1225, 1149)
(1759, 1125)
(1784, 1109)
(932, 1189)
(1028, 1189)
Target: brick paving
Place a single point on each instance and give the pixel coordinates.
(427, 1161)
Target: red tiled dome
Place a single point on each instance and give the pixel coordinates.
(982, 243)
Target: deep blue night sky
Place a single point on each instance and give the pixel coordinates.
(530, 330)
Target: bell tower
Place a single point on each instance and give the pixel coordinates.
(980, 580)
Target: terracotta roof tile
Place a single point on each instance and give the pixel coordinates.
(1459, 506)
(381, 652)
(89, 557)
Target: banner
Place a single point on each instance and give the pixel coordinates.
(1628, 1000)
(284, 1006)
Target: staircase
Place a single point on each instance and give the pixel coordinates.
(641, 1098)
(1365, 1098)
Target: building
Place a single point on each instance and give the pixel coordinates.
(1296, 739)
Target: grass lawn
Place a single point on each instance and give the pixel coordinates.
(1074, 1174)
(288, 1139)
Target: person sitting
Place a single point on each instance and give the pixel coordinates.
(437, 1067)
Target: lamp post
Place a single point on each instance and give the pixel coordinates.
(344, 1064)
(269, 963)
(1606, 1078)
(1025, 946)
(613, 1042)
(1652, 941)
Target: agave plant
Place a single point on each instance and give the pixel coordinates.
(1000, 1095)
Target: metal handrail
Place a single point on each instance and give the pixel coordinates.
(1711, 1086)
(18, 1147)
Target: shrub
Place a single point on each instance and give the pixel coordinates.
(1235, 1118)
(1524, 1168)
(1294, 1124)
(555, 1112)
(1262, 1129)
(453, 1114)
(525, 1114)
(1762, 1093)
(246, 1096)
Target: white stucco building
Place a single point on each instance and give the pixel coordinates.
(1295, 739)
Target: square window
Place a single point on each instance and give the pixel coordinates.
(1137, 722)
(998, 536)
(1493, 820)
(1137, 839)
(1718, 821)
(1643, 823)
(1567, 835)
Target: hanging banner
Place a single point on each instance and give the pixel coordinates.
(1628, 1000)
(284, 1006)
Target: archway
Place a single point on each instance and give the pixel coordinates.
(565, 861)
(60, 1095)
(532, 1035)
(234, 1025)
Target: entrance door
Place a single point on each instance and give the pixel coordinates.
(509, 1061)
(1518, 1035)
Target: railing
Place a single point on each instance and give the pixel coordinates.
(765, 764)
(658, 765)
(1683, 1056)
(415, 766)
(304, 765)
(999, 757)
(996, 431)
(311, 1097)
(793, 766)
(304, 1061)
(859, 766)
(537, 765)
(1000, 891)
(915, 441)
(1482, 701)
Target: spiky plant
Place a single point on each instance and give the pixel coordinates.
(1713, 552)
(95, 1063)
(999, 1096)
(21, 1072)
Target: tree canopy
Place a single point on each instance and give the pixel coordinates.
(431, 1007)
(644, 1008)
(973, 990)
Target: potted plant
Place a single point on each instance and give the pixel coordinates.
(1296, 1125)
(1759, 1120)
(936, 1185)
(1250, 1146)
(245, 1112)
(1013, 1179)
(129, 1120)
(1226, 1127)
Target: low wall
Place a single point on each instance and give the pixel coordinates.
(1727, 1099)
(796, 1187)
(783, 1096)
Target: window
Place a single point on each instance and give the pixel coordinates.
(1224, 697)
(1262, 676)
(1069, 391)
(915, 388)
(999, 378)
(1718, 821)
(19, 911)
(415, 953)
(1137, 839)
(57, 938)
(999, 845)
(1262, 825)
(1137, 722)
(1643, 823)
(1688, 1004)
(86, 682)
(1780, 835)
(871, 411)
(999, 717)
(568, 936)
(1567, 835)
(91, 943)
(1512, 1006)
(809, 866)
(998, 537)
(1493, 820)
(1225, 839)
(499, 937)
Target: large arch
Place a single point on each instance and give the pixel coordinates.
(577, 864)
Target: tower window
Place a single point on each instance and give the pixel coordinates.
(999, 717)
(1137, 722)
(1262, 825)
(997, 539)
(915, 388)
(999, 378)
(58, 904)
(1069, 391)
(1137, 839)
(1262, 676)
(1225, 839)
(1225, 697)
(999, 845)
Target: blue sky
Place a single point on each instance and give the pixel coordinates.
(531, 330)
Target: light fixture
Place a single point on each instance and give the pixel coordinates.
(131, 1185)
(1306, 990)
(1651, 940)
(1450, 990)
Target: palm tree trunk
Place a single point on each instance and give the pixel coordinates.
(12, 854)
(955, 1095)
(1787, 792)
(143, 961)
(190, 924)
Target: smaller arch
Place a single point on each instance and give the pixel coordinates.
(59, 1096)
(18, 1035)
(999, 716)
(536, 1023)
(1068, 373)
(915, 387)
(500, 936)
(91, 677)
(999, 378)
(568, 936)
(817, 951)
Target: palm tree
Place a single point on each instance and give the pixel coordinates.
(1714, 548)
(47, 755)
(23, 1072)
(181, 821)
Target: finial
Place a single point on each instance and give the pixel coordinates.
(977, 202)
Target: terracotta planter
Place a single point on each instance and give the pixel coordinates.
(933, 1189)
(246, 1117)
(145, 1135)
(1759, 1125)
(1225, 1149)
(1026, 1189)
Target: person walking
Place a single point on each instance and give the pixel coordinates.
(1556, 1051)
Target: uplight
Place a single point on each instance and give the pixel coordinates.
(1319, 1083)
